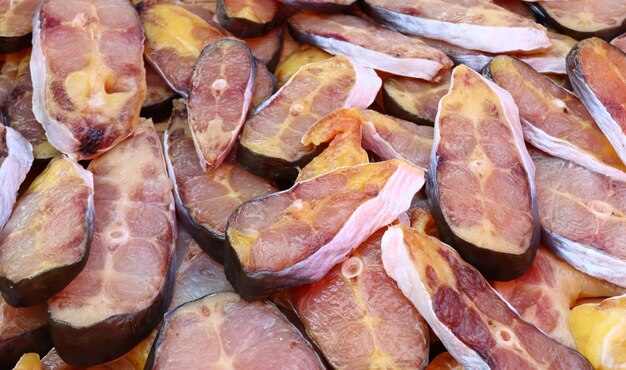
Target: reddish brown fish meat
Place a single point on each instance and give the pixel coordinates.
(20, 116)
(583, 218)
(463, 23)
(270, 143)
(371, 44)
(22, 330)
(16, 24)
(390, 137)
(547, 292)
(175, 37)
(474, 323)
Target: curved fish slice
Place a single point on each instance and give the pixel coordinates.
(370, 44)
(390, 137)
(471, 319)
(342, 129)
(583, 18)
(248, 18)
(205, 200)
(546, 293)
(583, 218)
(88, 76)
(125, 287)
(359, 318)
(46, 241)
(597, 71)
(20, 116)
(296, 236)
(22, 330)
(16, 24)
(16, 157)
(221, 91)
(175, 37)
(414, 100)
(270, 143)
(462, 23)
(481, 186)
(553, 119)
(222, 328)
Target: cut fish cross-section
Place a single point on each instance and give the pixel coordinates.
(296, 236)
(88, 75)
(46, 241)
(174, 39)
(597, 71)
(471, 319)
(122, 292)
(270, 143)
(221, 91)
(583, 218)
(481, 185)
(222, 328)
(359, 318)
(553, 119)
(472, 24)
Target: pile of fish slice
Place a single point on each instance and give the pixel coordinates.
(312, 184)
